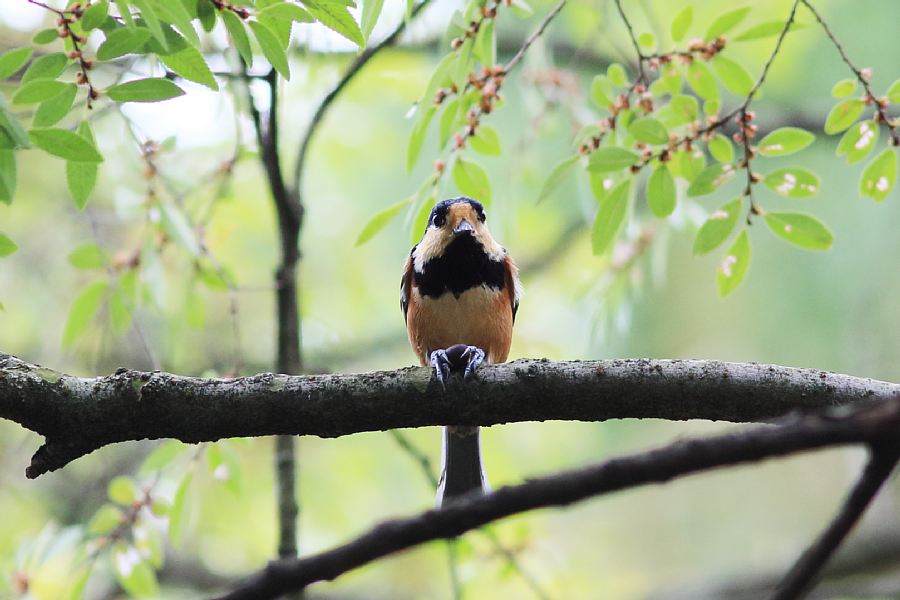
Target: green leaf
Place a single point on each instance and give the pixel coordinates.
(49, 66)
(179, 513)
(710, 179)
(649, 131)
(235, 28)
(721, 148)
(82, 176)
(485, 47)
(174, 12)
(893, 93)
(162, 456)
(177, 226)
(765, 30)
(78, 585)
(379, 221)
(7, 246)
(206, 12)
(125, 12)
(610, 218)
(190, 64)
(7, 176)
(857, 141)
(472, 180)
(119, 312)
(880, 175)
(151, 89)
(45, 36)
(450, 119)
(724, 23)
(800, 229)
(687, 164)
(10, 126)
(88, 256)
(616, 74)
(613, 158)
(417, 135)
(337, 18)
(602, 91)
(485, 141)
(65, 144)
(52, 110)
(661, 192)
(734, 266)
(95, 15)
(107, 518)
(682, 23)
(134, 574)
(793, 182)
(153, 22)
(701, 80)
(285, 11)
(785, 140)
(844, 88)
(38, 91)
(82, 312)
(733, 75)
(120, 42)
(271, 48)
(122, 490)
(371, 10)
(647, 40)
(557, 176)
(13, 60)
(843, 115)
(717, 227)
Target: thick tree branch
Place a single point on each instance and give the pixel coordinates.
(871, 424)
(79, 415)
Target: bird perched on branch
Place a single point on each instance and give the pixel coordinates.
(459, 294)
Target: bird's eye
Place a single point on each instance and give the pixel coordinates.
(439, 220)
(481, 216)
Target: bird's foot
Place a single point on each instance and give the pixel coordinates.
(474, 356)
(441, 365)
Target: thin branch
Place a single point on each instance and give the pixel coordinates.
(860, 76)
(531, 39)
(805, 571)
(637, 48)
(873, 424)
(77, 416)
(355, 67)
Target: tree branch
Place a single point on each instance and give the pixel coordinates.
(870, 424)
(77, 415)
(355, 67)
(805, 571)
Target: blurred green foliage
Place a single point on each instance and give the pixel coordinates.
(201, 301)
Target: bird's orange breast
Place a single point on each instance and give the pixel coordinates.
(480, 316)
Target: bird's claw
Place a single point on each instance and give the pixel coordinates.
(475, 358)
(441, 364)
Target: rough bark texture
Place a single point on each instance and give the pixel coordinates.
(79, 415)
(872, 425)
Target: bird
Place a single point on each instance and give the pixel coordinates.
(459, 295)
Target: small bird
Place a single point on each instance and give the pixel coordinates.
(459, 294)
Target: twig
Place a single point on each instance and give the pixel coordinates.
(355, 67)
(531, 39)
(641, 57)
(860, 76)
(805, 571)
(868, 425)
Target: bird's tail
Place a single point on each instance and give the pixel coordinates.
(462, 471)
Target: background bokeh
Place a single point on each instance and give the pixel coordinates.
(838, 311)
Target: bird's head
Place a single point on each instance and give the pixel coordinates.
(451, 221)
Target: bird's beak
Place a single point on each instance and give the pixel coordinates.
(463, 227)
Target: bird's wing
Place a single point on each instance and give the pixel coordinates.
(406, 285)
(512, 284)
